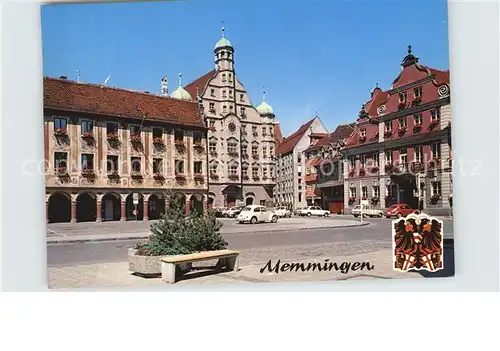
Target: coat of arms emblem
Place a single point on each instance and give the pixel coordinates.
(417, 243)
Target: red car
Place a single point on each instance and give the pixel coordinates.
(399, 210)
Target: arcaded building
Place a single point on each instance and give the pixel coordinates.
(400, 151)
(115, 154)
(241, 137)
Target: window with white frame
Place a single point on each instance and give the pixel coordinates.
(352, 191)
(264, 173)
(388, 157)
(417, 92)
(224, 94)
(375, 159)
(417, 118)
(419, 153)
(403, 156)
(402, 97)
(388, 126)
(436, 188)
(213, 168)
(362, 160)
(233, 169)
(436, 150)
(402, 122)
(376, 191)
(352, 162)
(224, 108)
(232, 147)
(212, 92)
(364, 191)
(435, 114)
(264, 152)
(223, 77)
(212, 146)
(211, 107)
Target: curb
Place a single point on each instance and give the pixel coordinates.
(92, 240)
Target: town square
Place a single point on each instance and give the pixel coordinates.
(122, 163)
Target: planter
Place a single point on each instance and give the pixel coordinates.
(149, 266)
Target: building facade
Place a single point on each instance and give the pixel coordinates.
(324, 176)
(400, 151)
(114, 154)
(290, 188)
(241, 137)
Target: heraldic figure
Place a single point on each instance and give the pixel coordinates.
(417, 243)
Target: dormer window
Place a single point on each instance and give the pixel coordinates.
(212, 92)
(402, 97)
(242, 97)
(363, 133)
(223, 77)
(417, 92)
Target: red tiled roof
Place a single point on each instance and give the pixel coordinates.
(440, 76)
(318, 135)
(341, 132)
(278, 137)
(199, 83)
(67, 95)
(290, 142)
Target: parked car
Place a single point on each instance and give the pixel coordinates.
(283, 212)
(232, 212)
(218, 212)
(313, 211)
(255, 214)
(399, 210)
(367, 211)
(297, 210)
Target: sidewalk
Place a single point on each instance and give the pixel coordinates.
(94, 233)
(116, 274)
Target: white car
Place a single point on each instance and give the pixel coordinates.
(283, 212)
(255, 214)
(232, 212)
(313, 211)
(367, 210)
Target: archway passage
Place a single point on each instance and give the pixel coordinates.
(86, 208)
(210, 203)
(156, 206)
(196, 204)
(110, 207)
(231, 194)
(249, 201)
(404, 186)
(134, 212)
(59, 208)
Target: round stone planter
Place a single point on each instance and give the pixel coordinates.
(149, 266)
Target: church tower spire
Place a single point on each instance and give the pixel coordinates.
(224, 53)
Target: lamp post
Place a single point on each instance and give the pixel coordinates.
(361, 199)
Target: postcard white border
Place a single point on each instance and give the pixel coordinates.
(474, 44)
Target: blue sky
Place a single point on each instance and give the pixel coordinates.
(319, 56)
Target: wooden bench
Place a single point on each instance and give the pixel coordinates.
(227, 258)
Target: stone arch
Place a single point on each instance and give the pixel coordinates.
(249, 198)
(156, 205)
(134, 212)
(111, 207)
(59, 207)
(86, 207)
(231, 194)
(196, 203)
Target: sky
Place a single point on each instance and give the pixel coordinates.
(315, 57)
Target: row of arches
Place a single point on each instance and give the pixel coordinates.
(88, 207)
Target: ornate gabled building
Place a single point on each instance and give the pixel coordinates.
(324, 176)
(400, 151)
(116, 154)
(241, 137)
(290, 188)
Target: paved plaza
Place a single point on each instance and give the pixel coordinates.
(103, 263)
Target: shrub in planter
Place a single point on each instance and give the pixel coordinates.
(176, 234)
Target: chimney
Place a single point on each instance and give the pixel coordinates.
(63, 77)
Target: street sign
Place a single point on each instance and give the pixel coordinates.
(135, 198)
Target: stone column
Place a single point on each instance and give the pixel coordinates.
(188, 204)
(98, 211)
(167, 202)
(145, 211)
(123, 216)
(73, 211)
